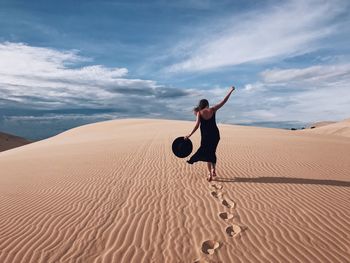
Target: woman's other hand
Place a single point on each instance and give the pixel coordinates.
(186, 137)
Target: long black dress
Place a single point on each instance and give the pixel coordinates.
(209, 141)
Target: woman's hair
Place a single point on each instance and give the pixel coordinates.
(201, 105)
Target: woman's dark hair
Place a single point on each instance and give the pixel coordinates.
(201, 105)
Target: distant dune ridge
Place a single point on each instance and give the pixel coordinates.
(8, 141)
(341, 128)
(319, 124)
(114, 192)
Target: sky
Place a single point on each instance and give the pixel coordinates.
(68, 63)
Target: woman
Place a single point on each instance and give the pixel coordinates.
(210, 135)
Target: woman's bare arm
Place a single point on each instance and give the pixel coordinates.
(219, 105)
(195, 127)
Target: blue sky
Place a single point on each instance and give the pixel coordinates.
(67, 63)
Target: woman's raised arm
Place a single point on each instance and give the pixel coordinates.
(219, 105)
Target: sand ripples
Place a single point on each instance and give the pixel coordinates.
(117, 194)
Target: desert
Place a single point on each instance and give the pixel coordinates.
(114, 192)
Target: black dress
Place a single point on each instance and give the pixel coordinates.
(209, 141)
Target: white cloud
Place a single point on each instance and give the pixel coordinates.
(277, 31)
(50, 83)
(319, 73)
(260, 114)
(251, 87)
(55, 117)
(47, 78)
(315, 93)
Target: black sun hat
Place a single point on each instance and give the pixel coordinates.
(181, 147)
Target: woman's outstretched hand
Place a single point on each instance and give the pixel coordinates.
(232, 88)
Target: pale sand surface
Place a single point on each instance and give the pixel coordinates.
(114, 192)
(341, 128)
(320, 124)
(8, 141)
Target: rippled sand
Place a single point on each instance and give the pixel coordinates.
(114, 192)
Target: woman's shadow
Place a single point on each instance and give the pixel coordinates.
(283, 180)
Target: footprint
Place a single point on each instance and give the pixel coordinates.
(216, 186)
(226, 216)
(216, 194)
(233, 230)
(228, 203)
(209, 247)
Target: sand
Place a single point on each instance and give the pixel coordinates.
(319, 124)
(341, 128)
(8, 141)
(114, 192)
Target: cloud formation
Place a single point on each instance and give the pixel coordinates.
(45, 78)
(278, 31)
(47, 84)
(314, 93)
(321, 74)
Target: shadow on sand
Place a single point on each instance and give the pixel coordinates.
(283, 180)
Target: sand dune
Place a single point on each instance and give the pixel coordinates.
(341, 128)
(114, 192)
(319, 124)
(8, 141)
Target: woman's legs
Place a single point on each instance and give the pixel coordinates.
(214, 159)
(209, 169)
(214, 171)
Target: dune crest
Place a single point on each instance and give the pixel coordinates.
(341, 128)
(114, 192)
